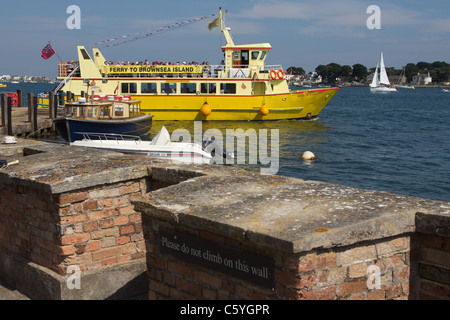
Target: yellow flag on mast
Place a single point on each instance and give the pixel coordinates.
(213, 24)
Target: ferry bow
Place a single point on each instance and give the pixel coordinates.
(243, 87)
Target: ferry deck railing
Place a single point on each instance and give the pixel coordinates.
(209, 71)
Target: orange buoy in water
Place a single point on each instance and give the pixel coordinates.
(264, 110)
(205, 109)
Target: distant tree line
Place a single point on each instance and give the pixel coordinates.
(439, 71)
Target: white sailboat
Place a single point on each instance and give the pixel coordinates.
(380, 82)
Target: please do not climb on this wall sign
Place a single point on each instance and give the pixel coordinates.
(241, 264)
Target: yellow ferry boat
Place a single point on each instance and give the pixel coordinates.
(243, 87)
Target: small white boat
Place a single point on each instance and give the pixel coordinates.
(159, 147)
(446, 90)
(380, 82)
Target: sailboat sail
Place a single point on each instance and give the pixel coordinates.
(383, 75)
(375, 83)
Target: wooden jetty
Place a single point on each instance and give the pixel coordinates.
(29, 121)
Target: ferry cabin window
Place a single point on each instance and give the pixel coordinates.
(244, 58)
(168, 88)
(150, 87)
(255, 55)
(188, 88)
(129, 87)
(206, 88)
(228, 88)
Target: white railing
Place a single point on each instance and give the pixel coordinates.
(109, 136)
(60, 85)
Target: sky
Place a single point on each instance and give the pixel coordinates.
(302, 33)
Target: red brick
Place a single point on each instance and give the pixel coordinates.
(246, 293)
(320, 261)
(127, 210)
(75, 218)
(207, 278)
(106, 253)
(109, 261)
(90, 205)
(73, 197)
(74, 238)
(68, 250)
(121, 220)
(287, 278)
(106, 223)
(90, 226)
(320, 293)
(126, 229)
(123, 258)
(130, 188)
(93, 245)
(97, 215)
(122, 240)
(394, 291)
(350, 287)
(376, 294)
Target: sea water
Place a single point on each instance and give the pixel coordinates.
(396, 142)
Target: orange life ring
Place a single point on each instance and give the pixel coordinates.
(273, 74)
(280, 74)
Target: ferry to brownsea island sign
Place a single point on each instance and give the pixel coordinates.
(152, 69)
(241, 264)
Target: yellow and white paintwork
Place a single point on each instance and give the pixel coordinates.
(256, 94)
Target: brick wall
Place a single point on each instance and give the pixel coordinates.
(321, 275)
(433, 267)
(90, 228)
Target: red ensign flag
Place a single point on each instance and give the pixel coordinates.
(48, 51)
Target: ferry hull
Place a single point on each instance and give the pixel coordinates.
(303, 104)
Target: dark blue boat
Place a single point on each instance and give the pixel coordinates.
(102, 116)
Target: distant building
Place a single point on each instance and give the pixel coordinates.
(313, 78)
(422, 79)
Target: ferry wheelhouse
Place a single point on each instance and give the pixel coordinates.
(243, 87)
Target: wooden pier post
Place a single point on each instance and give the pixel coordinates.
(19, 98)
(51, 104)
(9, 117)
(55, 106)
(30, 106)
(3, 111)
(34, 116)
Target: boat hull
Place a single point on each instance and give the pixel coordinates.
(71, 129)
(382, 90)
(179, 152)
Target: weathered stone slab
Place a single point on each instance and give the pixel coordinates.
(285, 213)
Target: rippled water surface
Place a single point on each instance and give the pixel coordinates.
(397, 142)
